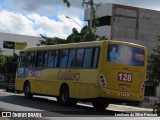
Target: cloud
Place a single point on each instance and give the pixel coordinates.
(48, 17)
(34, 24)
(15, 23)
(35, 17)
(51, 27)
(50, 7)
(47, 7)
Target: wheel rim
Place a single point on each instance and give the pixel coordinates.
(27, 89)
(64, 95)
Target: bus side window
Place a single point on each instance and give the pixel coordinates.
(22, 59)
(64, 58)
(28, 58)
(87, 58)
(79, 57)
(95, 57)
(51, 58)
(71, 58)
(45, 58)
(31, 59)
(56, 58)
(40, 58)
(19, 59)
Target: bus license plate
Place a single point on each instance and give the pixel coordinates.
(124, 95)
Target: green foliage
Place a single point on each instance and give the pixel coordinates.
(85, 35)
(67, 3)
(74, 37)
(153, 67)
(8, 64)
(95, 18)
(51, 41)
(95, 21)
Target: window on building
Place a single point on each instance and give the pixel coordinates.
(102, 21)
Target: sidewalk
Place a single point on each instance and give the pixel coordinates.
(128, 108)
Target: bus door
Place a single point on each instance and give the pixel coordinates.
(125, 68)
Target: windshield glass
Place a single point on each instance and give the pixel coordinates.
(125, 55)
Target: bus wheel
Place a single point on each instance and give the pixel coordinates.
(100, 105)
(27, 90)
(64, 95)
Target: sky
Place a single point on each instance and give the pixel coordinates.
(48, 17)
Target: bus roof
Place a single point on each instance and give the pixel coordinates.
(77, 45)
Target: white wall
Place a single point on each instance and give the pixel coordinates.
(31, 41)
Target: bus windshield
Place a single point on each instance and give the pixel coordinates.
(126, 55)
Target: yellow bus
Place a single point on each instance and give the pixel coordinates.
(100, 72)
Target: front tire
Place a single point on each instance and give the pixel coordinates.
(27, 90)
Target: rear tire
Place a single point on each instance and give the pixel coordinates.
(64, 97)
(7, 90)
(100, 105)
(27, 90)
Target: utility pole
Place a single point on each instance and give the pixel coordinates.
(91, 4)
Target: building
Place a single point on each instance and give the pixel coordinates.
(126, 23)
(129, 24)
(28, 40)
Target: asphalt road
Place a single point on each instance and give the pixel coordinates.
(49, 107)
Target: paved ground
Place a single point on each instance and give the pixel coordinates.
(14, 101)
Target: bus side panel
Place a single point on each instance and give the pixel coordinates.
(88, 83)
(19, 84)
(74, 89)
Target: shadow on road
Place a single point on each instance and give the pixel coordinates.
(53, 106)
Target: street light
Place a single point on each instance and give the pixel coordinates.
(74, 21)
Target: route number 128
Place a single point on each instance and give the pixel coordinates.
(125, 77)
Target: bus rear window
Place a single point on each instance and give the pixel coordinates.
(127, 55)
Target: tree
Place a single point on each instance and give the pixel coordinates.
(153, 67)
(85, 35)
(51, 41)
(95, 21)
(67, 3)
(74, 37)
(8, 64)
